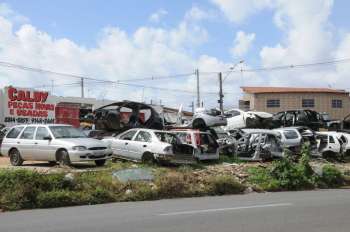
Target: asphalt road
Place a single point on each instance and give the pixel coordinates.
(318, 211)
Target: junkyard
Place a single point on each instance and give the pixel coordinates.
(201, 115)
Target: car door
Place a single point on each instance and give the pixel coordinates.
(120, 145)
(140, 144)
(333, 144)
(26, 143)
(42, 144)
(11, 139)
(235, 120)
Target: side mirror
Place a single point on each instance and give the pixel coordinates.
(48, 138)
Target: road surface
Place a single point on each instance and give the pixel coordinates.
(311, 211)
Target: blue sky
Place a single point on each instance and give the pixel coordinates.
(268, 30)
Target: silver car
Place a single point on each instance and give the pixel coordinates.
(53, 143)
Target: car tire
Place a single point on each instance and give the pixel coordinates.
(100, 163)
(63, 158)
(148, 158)
(15, 158)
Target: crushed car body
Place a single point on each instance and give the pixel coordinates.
(259, 145)
(121, 116)
(204, 143)
(237, 119)
(308, 118)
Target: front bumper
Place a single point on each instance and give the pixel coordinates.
(89, 155)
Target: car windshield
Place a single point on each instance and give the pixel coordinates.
(66, 132)
(167, 137)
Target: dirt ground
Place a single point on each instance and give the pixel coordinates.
(238, 170)
(45, 167)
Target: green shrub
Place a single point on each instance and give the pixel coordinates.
(331, 176)
(261, 177)
(221, 185)
(171, 185)
(60, 198)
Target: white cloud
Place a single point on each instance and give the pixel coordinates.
(7, 12)
(242, 43)
(157, 16)
(118, 55)
(239, 10)
(197, 14)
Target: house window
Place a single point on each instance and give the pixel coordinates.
(273, 103)
(336, 103)
(308, 103)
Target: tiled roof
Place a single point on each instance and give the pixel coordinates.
(247, 89)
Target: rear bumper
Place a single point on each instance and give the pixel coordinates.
(88, 155)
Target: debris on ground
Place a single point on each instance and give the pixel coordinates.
(134, 174)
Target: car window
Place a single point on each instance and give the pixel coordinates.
(184, 137)
(128, 135)
(41, 133)
(28, 133)
(143, 136)
(233, 113)
(167, 137)
(290, 134)
(14, 132)
(331, 139)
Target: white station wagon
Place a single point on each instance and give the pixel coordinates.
(53, 143)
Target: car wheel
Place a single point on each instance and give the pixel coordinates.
(63, 158)
(148, 158)
(100, 163)
(15, 158)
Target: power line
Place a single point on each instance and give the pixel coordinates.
(283, 67)
(45, 71)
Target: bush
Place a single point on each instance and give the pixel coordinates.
(331, 176)
(60, 198)
(285, 174)
(221, 185)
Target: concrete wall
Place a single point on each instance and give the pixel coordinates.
(292, 101)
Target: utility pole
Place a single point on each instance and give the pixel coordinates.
(198, 92)
(82, 87)
(192, 106)
(221, 95)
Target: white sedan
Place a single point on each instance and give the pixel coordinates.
(150, 146)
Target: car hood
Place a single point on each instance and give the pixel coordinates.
(87, 142)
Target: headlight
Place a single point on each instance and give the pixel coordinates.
(79, 148)
(168, 149)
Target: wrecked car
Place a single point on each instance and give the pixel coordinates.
(226, 142)
(329, 144)
(259, 145)
(204, 142)
(308, 118)
(203, 119)
(121, 116)
(150, 146)
(290, 138)
(237, 119)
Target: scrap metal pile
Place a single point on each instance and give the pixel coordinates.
(248, 135)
